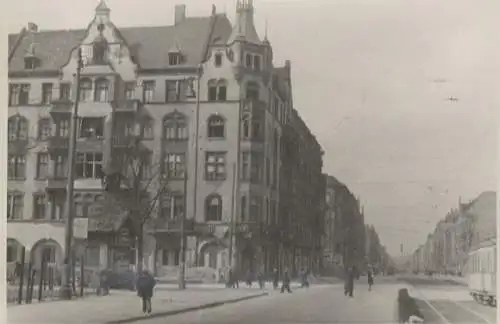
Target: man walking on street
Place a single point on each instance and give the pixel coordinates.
(276, 278)
(286, 282)
(349, 283)
(145, 285)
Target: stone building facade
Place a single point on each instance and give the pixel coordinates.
(210, 111)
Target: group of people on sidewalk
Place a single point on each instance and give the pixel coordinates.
(233, 281)
(352, 274)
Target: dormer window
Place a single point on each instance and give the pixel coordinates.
(174, 58)
(218, 59)
(99, 51)
(30, 63)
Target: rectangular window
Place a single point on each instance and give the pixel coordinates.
(256, 62)
(222, 93)
(175, 165)
(44, 129)
(42, 166)
(256, 168)
(14, 91)
(57, 207)
(245, 166)
(39, 206)
(64, 91)
(11, 253)
(249, 60)
(46, 93)
(91, 127)
(268, 172)
(243, 208)
(218, 59)
(172, 90)
(165, 257)
(255, 208)
(174, 207)
(147, 168)
(212, 93)
(61, 166)
(24, 96)
(16, 167)
(215, 166)
(148, 93)
(89, 165)
(15, 206)
(62, 128)
(129, 90)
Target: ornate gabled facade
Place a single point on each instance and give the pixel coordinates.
(203, 99)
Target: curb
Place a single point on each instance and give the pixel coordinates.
(186, 310)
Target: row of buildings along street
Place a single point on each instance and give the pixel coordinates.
(463, 229)
(188, 128)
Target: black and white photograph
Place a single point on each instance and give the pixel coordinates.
(251, 161)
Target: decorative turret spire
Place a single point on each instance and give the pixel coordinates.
(102, 9)
(244, 28)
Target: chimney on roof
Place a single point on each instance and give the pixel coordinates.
(180, 13)
(32, 27)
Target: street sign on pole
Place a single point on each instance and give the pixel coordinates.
(80, 228)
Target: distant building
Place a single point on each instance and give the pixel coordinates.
(446, 250)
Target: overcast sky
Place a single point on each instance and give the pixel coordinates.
(371, 79)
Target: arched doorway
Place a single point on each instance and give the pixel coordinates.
(211, 255)
(47, 250)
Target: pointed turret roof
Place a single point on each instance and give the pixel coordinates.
(244, 28)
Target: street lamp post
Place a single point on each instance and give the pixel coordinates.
(66, 289)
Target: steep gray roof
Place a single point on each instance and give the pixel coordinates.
(148, 45)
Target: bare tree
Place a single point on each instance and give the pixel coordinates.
(133, 184)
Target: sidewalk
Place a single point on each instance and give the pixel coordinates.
(125, 306)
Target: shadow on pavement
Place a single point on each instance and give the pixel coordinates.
(184, 310)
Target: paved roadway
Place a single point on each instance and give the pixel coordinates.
(321, 304)
(443, 301)
(318, 304)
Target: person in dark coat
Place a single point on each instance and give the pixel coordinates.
(145, 285)
(286, 282)
(276, 278)
(349, 283)
(370, 278)
(249, 278)
(261, 279)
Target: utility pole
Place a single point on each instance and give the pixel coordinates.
(232, 222)
(182, 254)
(196, 139)
(66, 289)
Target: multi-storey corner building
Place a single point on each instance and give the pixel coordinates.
(205, 101)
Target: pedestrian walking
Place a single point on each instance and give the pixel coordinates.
(249, 278)
(349, 283)
(303, 276)
(370, 278)
(145, 285)
(260, 279)
(276, 278)
(286, 282)
(233, 279)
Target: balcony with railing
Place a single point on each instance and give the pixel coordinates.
(56, 183)
(126, 106)
(172, 225)
(57, 143)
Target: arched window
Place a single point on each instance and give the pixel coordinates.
(213, 208)
(17, 128)
(175, 128)
(215, 126)
(222, 90)
(212, 90)
(44, 128)
(252, 91)
(101, 90)
(85, 90)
